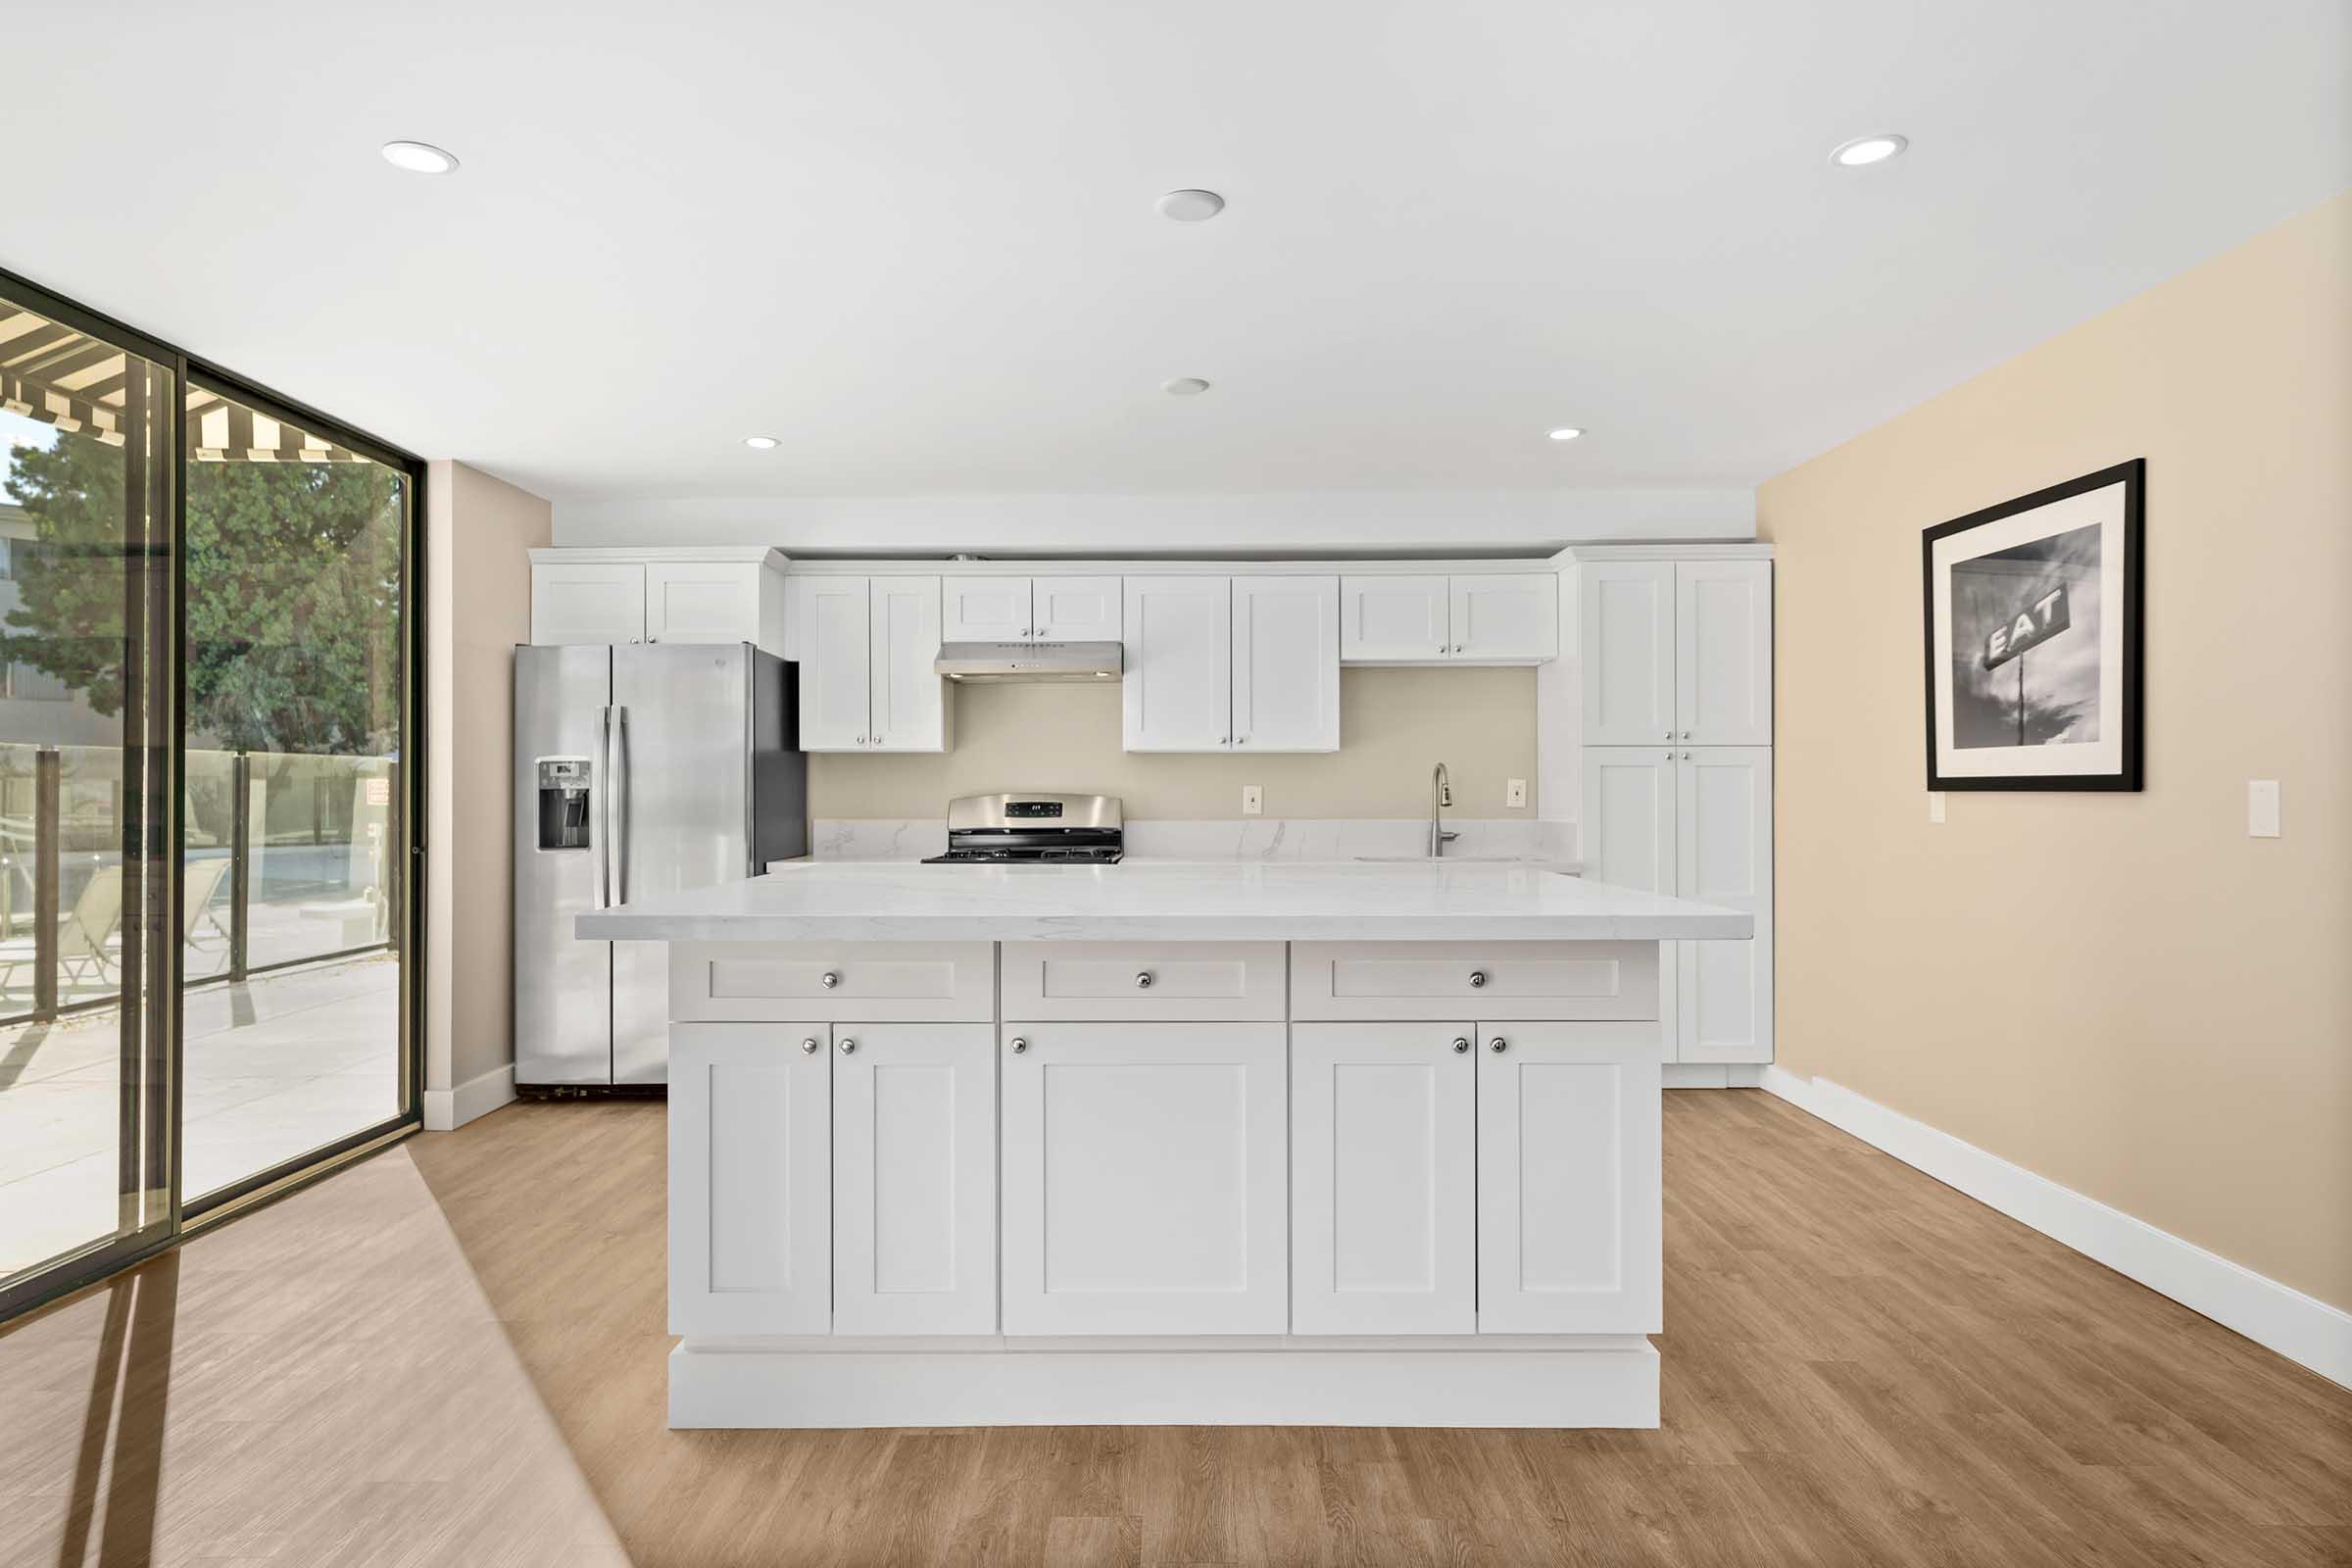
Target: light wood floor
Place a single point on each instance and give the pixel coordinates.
(454, 1354)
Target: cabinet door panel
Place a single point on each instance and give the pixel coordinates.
(1723, 652)
(1628, 832)
(1569, 1179)
(1515, 616)
(1076, 610)
(750, 1157)
(985, 610)
(836, 664)
(1626, 615)
(1384, 1206)
(1394, 619)
(703, 601)
(1285, 663)
(914, 1179)
(1723, 855)
(909, 697)
(587, 602)
(1144, 1179)
(1177, 693)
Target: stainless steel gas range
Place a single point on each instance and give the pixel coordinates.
(1031, 829)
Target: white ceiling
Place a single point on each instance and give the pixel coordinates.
(917, 240)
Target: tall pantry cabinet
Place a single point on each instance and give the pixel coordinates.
(1675, 682)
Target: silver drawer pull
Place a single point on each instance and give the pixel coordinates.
(1019, 1044)
(848, 1045)
(1460, 1044)
(829, 979)
(1497, 1044)
(1478, 977)
(807, 1045)
(1143, 981)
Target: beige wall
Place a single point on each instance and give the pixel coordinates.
(1394, 726)
(2122, 992)
(478, 594)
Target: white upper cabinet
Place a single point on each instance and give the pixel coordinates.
(1494, 618)
(1506, 619)
(1723, 855)
(1074, 610)
(1396, 620)
(985, 610)
(836, 664)
(587, 602)
(1625, 613)
(1723, 652)
(683, 596)
(909, 694)
(1177, 691)
(1285, 663)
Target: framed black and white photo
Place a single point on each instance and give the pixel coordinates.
(2033, 639)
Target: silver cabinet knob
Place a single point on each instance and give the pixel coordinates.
(1670, 734)
(1143, 981)
(1241, 740)
(1019, 1044)
(829, 979)
(1498, 1044)
(807, 1045)
(1440, 648)
(1686, 734)
(1458, 648)
(849, 1045)
(1478, 977)
(1460, 1044)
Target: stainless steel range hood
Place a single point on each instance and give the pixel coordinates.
(982, 662)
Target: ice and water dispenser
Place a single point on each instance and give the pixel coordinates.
(563, 797)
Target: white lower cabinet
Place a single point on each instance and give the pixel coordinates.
(1145, 1178)
(1383, 1174)
(914, 1178)
(1569, 1179)
(749, 1178)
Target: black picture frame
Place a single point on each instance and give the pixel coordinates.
(2128, 590)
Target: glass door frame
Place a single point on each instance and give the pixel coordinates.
(154, 825)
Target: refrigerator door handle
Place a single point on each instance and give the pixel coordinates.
(604, 833)
(620, 776)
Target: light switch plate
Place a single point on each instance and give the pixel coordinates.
(1253, 800)
(2262, 808)
(1514, 793)
(1935, 806)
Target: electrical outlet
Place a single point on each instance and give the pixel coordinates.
(2262, 808)
(1935, 806)
(1514, 793)
(1253, 800)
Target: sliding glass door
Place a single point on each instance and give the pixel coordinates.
(207, 876)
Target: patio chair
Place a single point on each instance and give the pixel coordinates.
(200, 928)
(83, 934)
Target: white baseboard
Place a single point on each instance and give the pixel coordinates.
(448, 1109)
(1713, 1075)
(2280, 1317)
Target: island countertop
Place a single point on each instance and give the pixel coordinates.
(1164, 901)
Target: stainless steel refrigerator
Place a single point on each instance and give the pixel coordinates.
(639, 769)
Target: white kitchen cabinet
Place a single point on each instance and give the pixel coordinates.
(985, 610)
(1384, 1173)
(587, 602)
(1723, 855)
(1146, 1178)
(1569, 1179)
(914, 1178)
(1075, 610)
(1176, 693)
(1396, 620)
(1491, 618)
(1015, 609)
(750, 1177)
(1723, 652)
(1628, 828)
(1285, 663)
(1625, 611)
(868, 647)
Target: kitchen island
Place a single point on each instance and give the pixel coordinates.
(1354, 1144)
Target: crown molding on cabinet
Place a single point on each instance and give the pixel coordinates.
(1682, 551)
(558, 555)
(1113, 566)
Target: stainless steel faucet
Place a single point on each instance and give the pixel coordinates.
(1442, 796)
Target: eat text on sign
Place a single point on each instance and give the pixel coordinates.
(2036, 622)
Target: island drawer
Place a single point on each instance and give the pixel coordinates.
(1185, 982)
(843, 982)
(1484, 981)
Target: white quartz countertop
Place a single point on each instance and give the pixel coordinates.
(849, 900)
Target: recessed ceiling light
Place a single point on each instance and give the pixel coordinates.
(1864, 150)
(1190, 206)
(1566, 432)
(418, 158)
(1185, 386)
(761, 443)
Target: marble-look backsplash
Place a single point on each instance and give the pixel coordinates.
(1258, 838)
